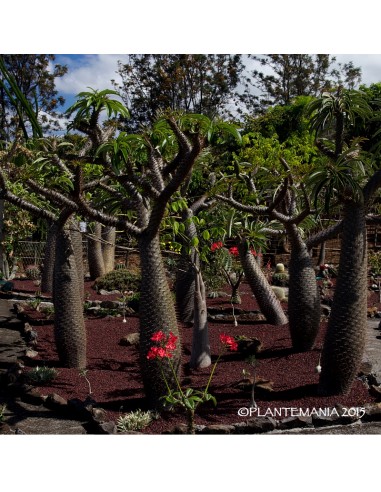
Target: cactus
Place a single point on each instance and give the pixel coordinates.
(32, 272)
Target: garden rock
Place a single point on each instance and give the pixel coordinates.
(249, 345)
(31, 354)
(180, 429)
(99, 415)
(260, 424)
(107, 428)
(329, 419)
(128, 340)
(56, 402)
(218, 429)
(104, 292)
(372, 412)
(295, 422)
(375, 391)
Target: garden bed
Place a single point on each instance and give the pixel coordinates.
(113, 368)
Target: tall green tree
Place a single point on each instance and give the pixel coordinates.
(195, 83)
(282, 77)
(344, 178)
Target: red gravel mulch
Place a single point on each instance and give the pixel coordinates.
(113, 369)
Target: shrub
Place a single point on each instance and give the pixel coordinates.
(120, 279)
(42, 375)
(32, 272)
(134, 421)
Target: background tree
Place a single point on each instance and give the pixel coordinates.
(195, 83)
(282, 77)
(34, 76)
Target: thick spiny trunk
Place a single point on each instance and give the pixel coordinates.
(108, 248)
(303, 297)
(185, 278)
(200, 356)
(49, 259)
(69, 325)
(76, 238)
(344, 343)
(95, 254)
(267, 301)
(157, 312)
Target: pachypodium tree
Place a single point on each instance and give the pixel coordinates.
(69, 327)
(289, 205)
(344, 178)
(144, 172)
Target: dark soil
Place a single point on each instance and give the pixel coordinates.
(113, 369)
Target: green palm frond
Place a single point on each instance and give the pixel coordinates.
(352, 104)
(20, 103)
(95, 101)
(340, 179)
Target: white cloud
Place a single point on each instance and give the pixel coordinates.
(95, 71)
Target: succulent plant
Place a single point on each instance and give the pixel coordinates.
(32, 272)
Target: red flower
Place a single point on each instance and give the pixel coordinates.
(157, 336)
(152, 353)
(234, 251)
(229, 342)
(171, 343)
(166, 348)
(254, 253)
(158, 353)
(215, 246)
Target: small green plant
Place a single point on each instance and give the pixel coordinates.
(120, 279)
(135, 421)
(87, 305)
(83, 373)
(32, 272)
(42, 375)
(189, 399)
(49, 312)
(35, 303)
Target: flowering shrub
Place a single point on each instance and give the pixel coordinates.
(189, 399)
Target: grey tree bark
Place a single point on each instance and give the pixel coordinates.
(200, 354)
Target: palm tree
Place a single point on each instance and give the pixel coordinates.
(341, 178)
